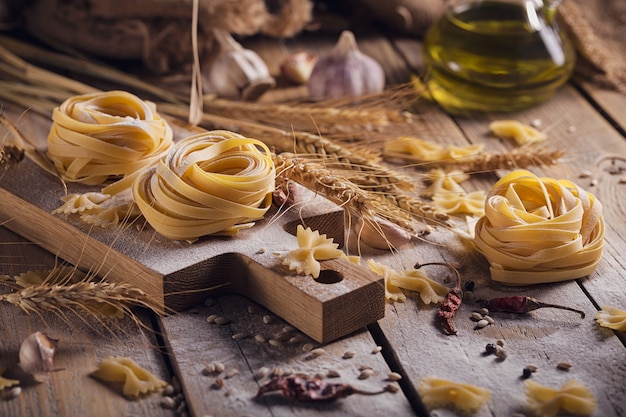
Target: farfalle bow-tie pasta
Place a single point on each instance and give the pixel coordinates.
(101, 136)
(538, 230)
(213, 182)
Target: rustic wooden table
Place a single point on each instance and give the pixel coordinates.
(586, 122)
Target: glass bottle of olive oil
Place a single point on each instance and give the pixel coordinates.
(496, 55)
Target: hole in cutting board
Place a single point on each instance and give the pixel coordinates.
(328, 276)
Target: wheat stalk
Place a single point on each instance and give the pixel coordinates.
(98, 299)
(489, 161)
(398, 208)
(10, 155)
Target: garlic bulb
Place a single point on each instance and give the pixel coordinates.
(382, 235)
(36, 355)
(236, 72)
(345, 72)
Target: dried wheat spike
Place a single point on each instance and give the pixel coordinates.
(364, 203)
(99, 299)
(523, 157)
(10, 155)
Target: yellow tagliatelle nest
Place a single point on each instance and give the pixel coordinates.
(430, 291)
(437, 392)
(612, 317)
(538, 230)
(210, 183)
(101, 136)
(137, 380)
(312, 248)
(573, 397)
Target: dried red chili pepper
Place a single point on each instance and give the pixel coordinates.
(303, 388)
(522, 304)
(451, 303)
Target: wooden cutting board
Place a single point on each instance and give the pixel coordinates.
(177, 275)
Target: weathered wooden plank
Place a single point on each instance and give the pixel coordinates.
(612, 102)
(71, 391)
(253, 339)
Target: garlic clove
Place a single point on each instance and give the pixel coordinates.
(36, 355)
(297, 67)
(382, 234)
(345, 72)
(236, 72)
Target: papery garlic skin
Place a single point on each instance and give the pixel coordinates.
(298, 67)
(345, 72)
(36, 355)
(235, 72)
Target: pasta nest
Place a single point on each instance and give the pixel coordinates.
(101, 136)
(214, 182)
(538, 230)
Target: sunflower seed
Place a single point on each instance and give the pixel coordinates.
(391, 388)
(307, 347)
(317, 352)
(211, 318)
(221, 320)
(168, 403)
(377, 349)
(366, 373)
(219, 367)
(563, 366)
(393, 376)
(261, 373)
(218, 383)
(275, 342)
(349, 354)
(267, 319)
(231, 373)
(476, 316)
(331, 373)
(482, 323)
(238, 336)
(259, 338)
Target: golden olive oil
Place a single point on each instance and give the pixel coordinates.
(495, 56)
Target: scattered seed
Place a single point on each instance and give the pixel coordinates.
(533, 368)
(332, 374)
(622, 179)
(526, 373)
(218, 383)
(278, 371)
(307, 347)
(501, 354)
(393, 376)
(219, 367)
(317, 352)
(238, 336)
(476, 316)
(491, 348)
(231, 373)
(536, 123)
(211, 318)
(251, 310)
(267, 319)
(319, 375)
(377, 349)
(500, 342)
(563, 366)
(391, 388)
(489, 319)
(221, 320)
(275, 343)
(482, 323)
(366, 373)
(584, 174)
(168, 390)
(259, 338)
(349, 354)
(364, 367)
(168, 403)
(484, 311)
(296, 339)
(593, 182)
(469, 285)
(261, 251)
(288, 329)
(261, 373)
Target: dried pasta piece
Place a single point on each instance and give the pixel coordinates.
(77, 203)
(312, 247)
(612, 317)
(101, 136)
(572, 397)
(538, 230)
(460, 202)
(438, 392)
(512, 129)
(6, 382)
(216, 182)
(442, 181)
(137, 381)
(413, 280)
(427, 151)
